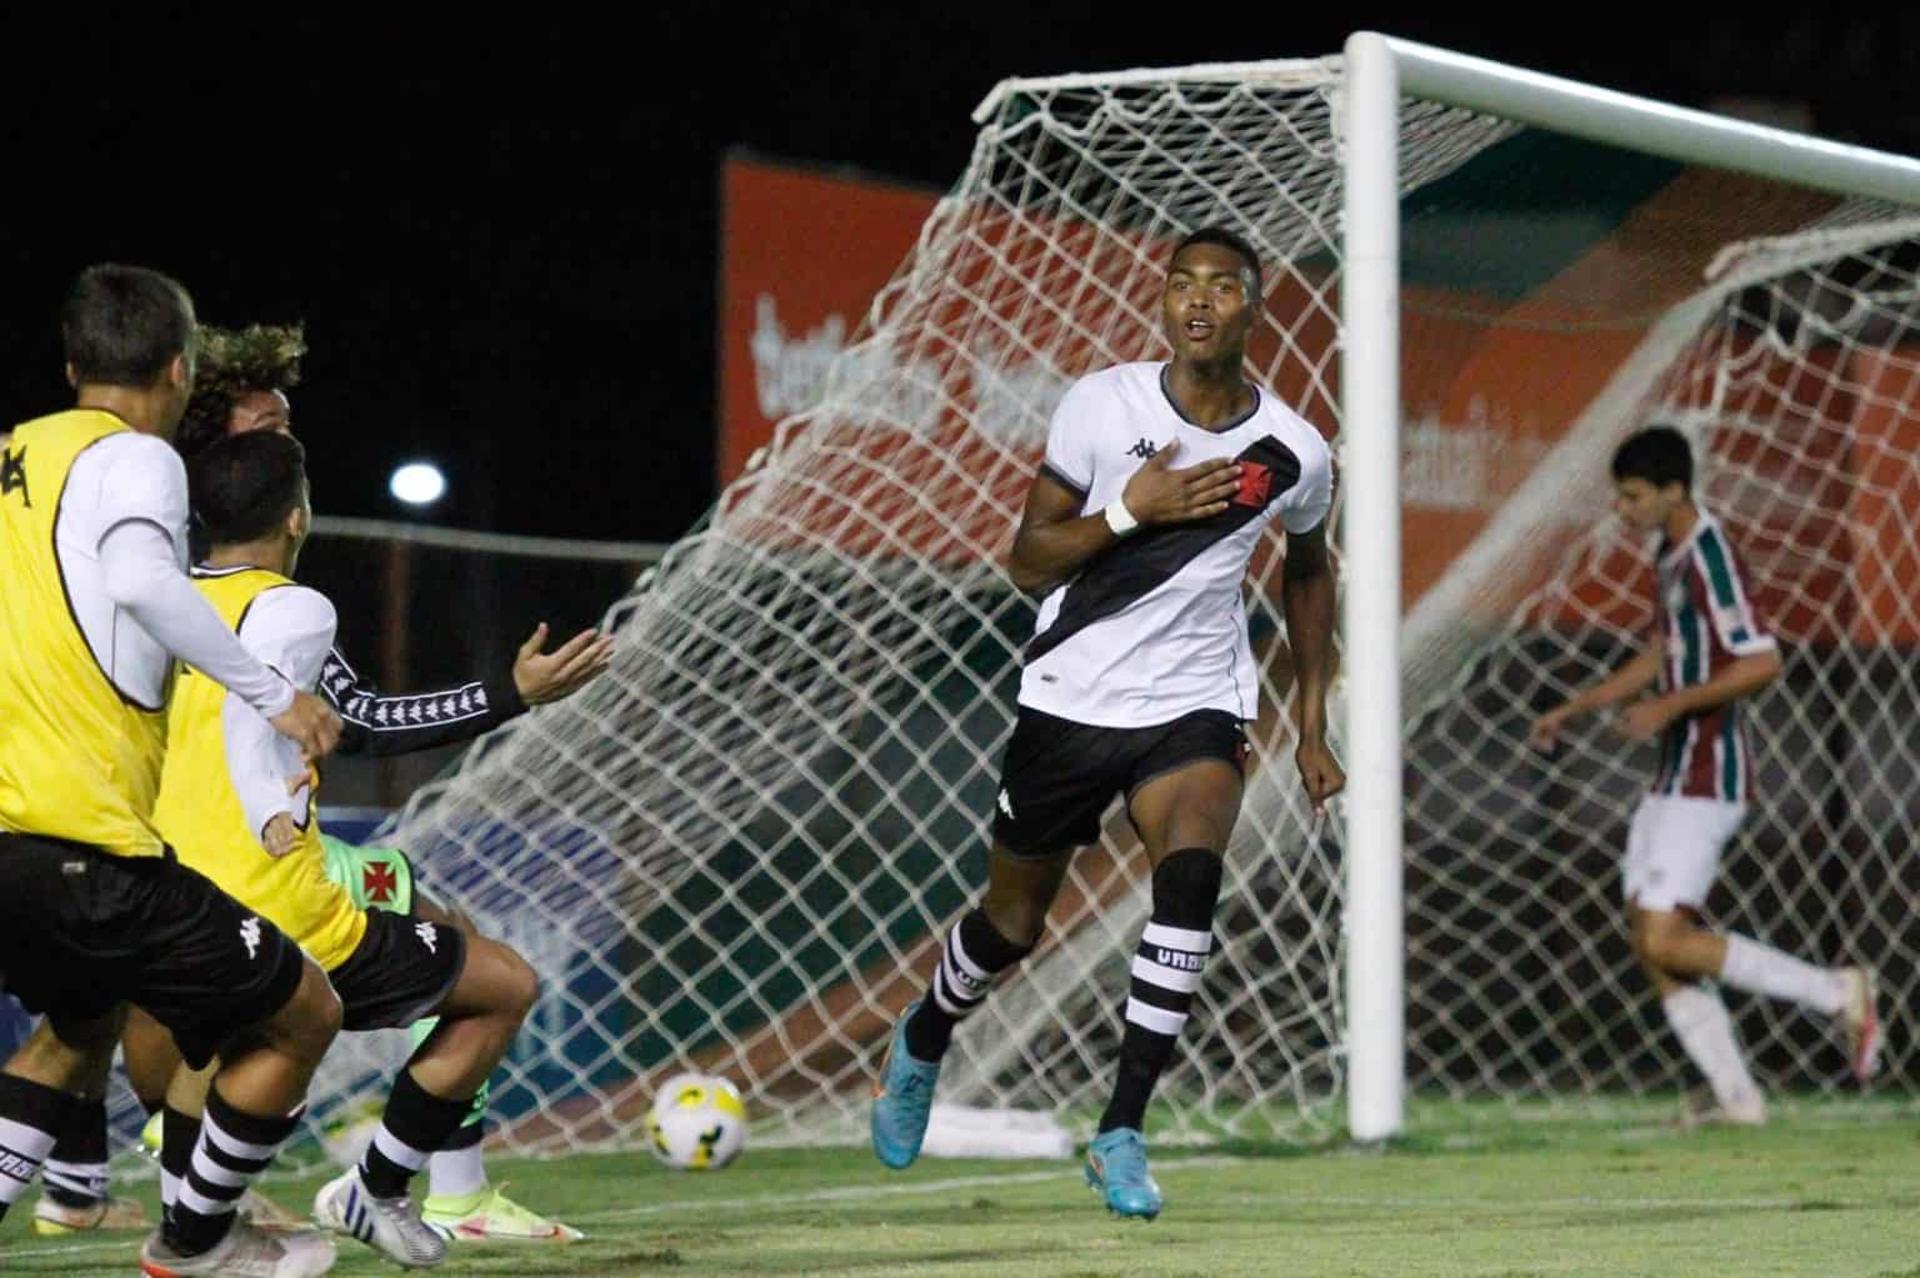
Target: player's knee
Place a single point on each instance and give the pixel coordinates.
(515, 984)
(314, 1013)
(526, 987)
(1020, 922)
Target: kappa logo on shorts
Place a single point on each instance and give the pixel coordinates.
(1006, 805)
(428, 937)
(250, 933)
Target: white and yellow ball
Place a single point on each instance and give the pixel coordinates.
(697, 1123)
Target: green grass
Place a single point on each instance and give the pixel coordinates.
(1829, 1189)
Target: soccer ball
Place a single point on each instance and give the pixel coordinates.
(697, 1123)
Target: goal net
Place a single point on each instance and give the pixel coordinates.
(737, 853)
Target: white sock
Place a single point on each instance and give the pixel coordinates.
(23, 1147)
(1761, 969)
(1701, 1023)
(455, 1173)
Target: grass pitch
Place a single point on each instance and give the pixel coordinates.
(1831, 1189)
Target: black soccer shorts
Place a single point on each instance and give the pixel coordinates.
(82, 931)
(1058, 776)
(402, 970)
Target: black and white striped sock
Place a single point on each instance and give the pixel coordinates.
(415, 1124)
(76, 1170)
(233, 1148)
(179, 1137)
(974, 955)
(31, 1117)
(1166, 969)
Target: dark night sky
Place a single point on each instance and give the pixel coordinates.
(504, 241)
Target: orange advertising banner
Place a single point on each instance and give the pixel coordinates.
(802, 255)
(1490, 385)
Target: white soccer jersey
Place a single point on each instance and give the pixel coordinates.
(123, 478)
(1155, 628)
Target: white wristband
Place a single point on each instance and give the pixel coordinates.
(1119, 518)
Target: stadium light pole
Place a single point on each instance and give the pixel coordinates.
(416, 485)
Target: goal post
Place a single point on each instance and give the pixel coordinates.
(1379, 72)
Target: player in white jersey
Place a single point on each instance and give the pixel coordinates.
(1708, 652)
(1159, 481)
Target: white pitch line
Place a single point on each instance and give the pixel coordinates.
(866, 1193)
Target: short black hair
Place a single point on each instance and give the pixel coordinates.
(243, 486)
(1228, 239)
(123, 325)
(1659, 454)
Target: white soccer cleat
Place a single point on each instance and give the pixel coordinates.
(52, 1219)
(391, 1226)
(246, 1252)
(1860, 1021)
(1699, 1109)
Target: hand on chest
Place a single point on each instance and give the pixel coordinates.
(1268, 468)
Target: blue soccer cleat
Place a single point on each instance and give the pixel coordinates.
(1117, 1166)
(902, 1100)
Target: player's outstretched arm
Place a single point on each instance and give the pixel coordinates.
(380, 723)
(540, 676)
(1055, 539)
(1307, 597)
(1630, 680)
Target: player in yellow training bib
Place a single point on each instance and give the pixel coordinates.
(94, 914)
(246, 804)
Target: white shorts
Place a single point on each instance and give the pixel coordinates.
(1673, 850)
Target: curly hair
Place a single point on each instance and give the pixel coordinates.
(230, 363)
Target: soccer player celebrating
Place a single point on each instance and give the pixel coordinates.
(242, 385)
(1159, 480)
(226, 788)
(1708, 653)
(95, 911)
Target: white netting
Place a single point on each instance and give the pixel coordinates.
(738, 852)
(1796, 374)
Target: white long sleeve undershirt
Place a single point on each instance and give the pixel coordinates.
(140, 573)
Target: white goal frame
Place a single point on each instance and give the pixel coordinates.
(1380, 72)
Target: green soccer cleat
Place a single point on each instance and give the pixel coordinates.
(488, 1215)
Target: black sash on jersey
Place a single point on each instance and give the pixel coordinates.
(1129, 570)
